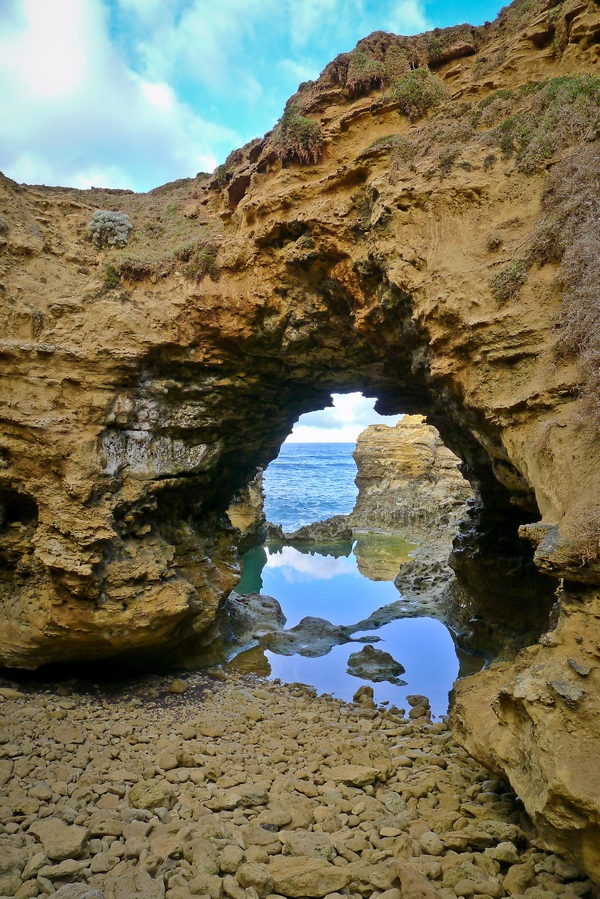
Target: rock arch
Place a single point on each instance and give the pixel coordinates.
(142, 385)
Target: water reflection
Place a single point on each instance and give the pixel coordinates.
(347, 585)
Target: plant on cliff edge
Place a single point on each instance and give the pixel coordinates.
(417, 92)
(298, 137)
(109, 229)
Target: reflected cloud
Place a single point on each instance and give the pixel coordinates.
(297, 567)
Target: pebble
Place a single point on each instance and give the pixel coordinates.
(248, 789)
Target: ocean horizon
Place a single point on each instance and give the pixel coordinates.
(309, 482)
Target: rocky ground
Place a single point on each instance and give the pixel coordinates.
(235, 786)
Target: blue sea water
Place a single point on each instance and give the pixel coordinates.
(309, 482)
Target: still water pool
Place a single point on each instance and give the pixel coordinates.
(345, 585)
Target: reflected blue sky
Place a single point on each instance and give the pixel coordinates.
(329, 585)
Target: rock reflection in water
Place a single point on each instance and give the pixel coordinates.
(351, 588)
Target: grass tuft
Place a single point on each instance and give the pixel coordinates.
(298, 137)
(417, 92)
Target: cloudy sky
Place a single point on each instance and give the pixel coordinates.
(351, 414)
(134, 93)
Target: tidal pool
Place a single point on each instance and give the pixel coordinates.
(345, 585)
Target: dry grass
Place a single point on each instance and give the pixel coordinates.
(584, 533)
(417, 92)
(572, 202)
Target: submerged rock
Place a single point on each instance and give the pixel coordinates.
(375, 665)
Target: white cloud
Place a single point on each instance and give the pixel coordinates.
(297, 567)
(408, 17)
(351, 414)
(74, 113)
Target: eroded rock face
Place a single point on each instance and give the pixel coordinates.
(144, 385)
(408, 480)
(536, 721)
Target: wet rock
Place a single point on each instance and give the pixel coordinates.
(311, 637)
(375, 665)
(178, 686)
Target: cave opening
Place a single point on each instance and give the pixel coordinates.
(364, 582)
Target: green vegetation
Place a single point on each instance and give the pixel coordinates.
(201, 259)
(364, 72)
(109, 229)
(298, 137)
(417, 92)
(564, 111)
(506, 284)
(110, 278)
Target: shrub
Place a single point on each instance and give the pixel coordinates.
(109, 229)
(564, 111)
(417, 92)
(573, 200)
(111, 278)
(506, 285)
(201, 259)
(298, 137)
(364, 72)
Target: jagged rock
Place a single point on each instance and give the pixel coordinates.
(375, 665)
(247, 513)
(311, 637)
(152, 794)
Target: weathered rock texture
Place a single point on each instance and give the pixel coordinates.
(144, 385)
(247, 513)
(408, 481)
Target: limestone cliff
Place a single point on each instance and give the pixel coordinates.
(400, 232)
(408, 481)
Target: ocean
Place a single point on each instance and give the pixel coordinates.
(309, 482)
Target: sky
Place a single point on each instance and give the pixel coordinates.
(135, 93)
(351, 414)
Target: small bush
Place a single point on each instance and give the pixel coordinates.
(110, 279)
(109, 229)
(396, 64)
(507, 284)
(298, 137)
(417, 92)
(364, 72)
(201, 260)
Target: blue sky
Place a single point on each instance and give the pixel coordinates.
(134, 93)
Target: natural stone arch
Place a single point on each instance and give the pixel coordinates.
(143, 384)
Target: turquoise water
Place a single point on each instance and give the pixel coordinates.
(308, 482)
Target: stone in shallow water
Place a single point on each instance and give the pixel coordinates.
(375, 665)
